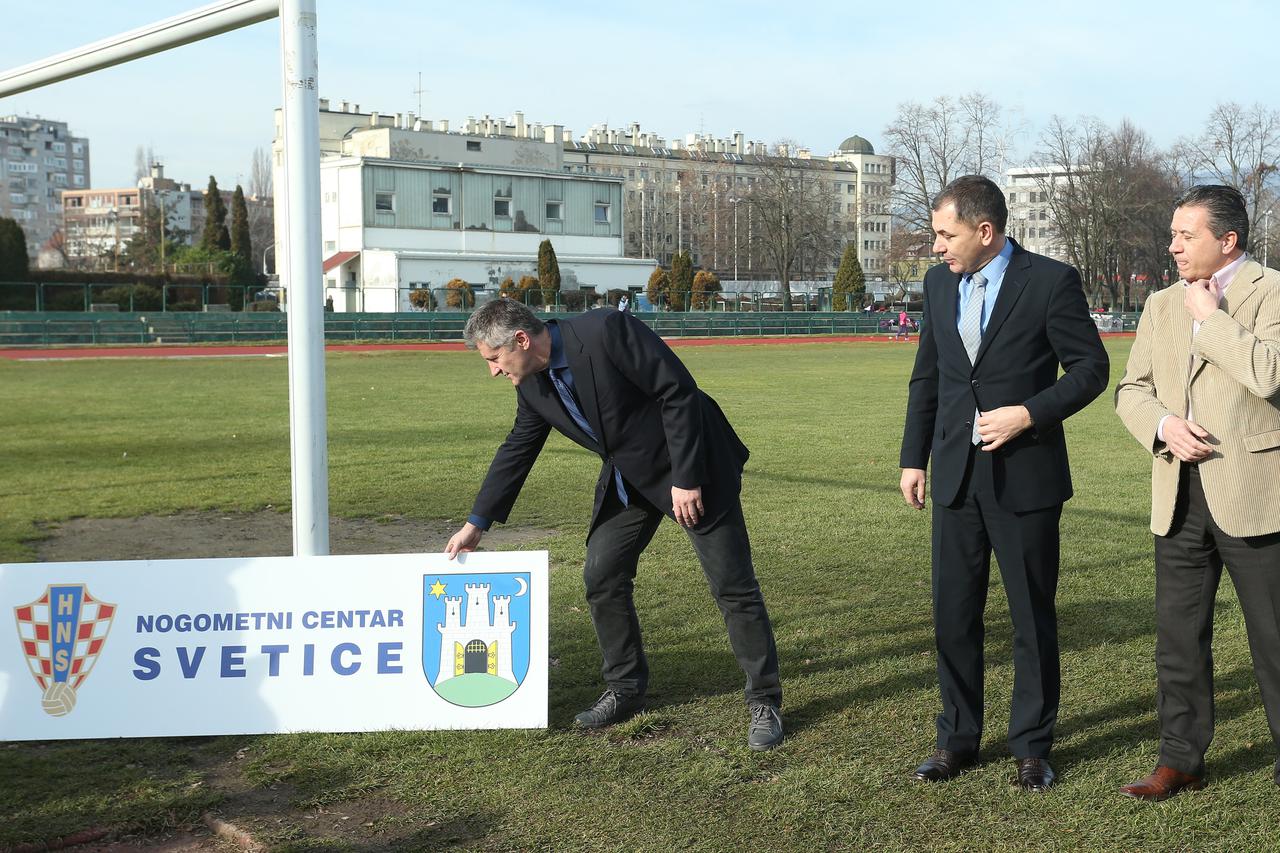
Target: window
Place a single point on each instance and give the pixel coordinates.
(502, 207)
(441, 202)
(602, 212)
(330, 245)
(384, 202)
(473, 145)
(78, 180)
(1013, 197)
(78, 164)
(555, 210)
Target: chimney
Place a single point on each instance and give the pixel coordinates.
(373, 119)
(444, 125)
(157, 171)
(737, 142)
(342, 106)
(324, 105)
(553, 133)
(635, 133)
(566, 135)
(408, 122)
(520, 129)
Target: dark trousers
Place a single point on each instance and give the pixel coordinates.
(1189, 564)
(724, 551)
(1026, 547)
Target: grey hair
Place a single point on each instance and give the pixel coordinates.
(495, 324)
(1226, 209)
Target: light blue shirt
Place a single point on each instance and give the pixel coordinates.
(994, 271)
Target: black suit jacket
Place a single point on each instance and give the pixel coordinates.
(652, 422)
(1040, 322)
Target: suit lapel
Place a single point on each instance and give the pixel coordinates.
(584, 380)
(1016, 276)
(1239, 289)
(948, 292)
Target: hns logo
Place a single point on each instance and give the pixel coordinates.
(62, 633)
(475, 636)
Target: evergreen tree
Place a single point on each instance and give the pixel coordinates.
(15, 264)
(850, 282)
(548, 272)
(214, 236)
(659, 284)
(704, 284)
(241, 242)
(681, 280)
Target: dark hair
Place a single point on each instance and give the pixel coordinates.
(1226, 209)
(977, 200)
(495, 323)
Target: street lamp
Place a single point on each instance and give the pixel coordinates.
(113, 219)
(733, 200)
(264, 257)
(1266, 235)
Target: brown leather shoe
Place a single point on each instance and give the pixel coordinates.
(1035, 774)
(944, 765)
(1162, 784)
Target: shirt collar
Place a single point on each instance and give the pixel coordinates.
(559, 360)
(994, 270)
(1223, 277)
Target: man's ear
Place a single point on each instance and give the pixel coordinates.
(522, 339)
(1229, 242)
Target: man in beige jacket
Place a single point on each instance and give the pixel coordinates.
(1201, 392)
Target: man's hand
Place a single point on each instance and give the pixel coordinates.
(912, 485)
(464, 540)
(1000, 426)
(1201, 299)
(686, 505)
(1185, 439)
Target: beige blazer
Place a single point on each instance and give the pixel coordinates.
(1229, 371)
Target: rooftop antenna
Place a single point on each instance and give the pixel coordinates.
(418, 91)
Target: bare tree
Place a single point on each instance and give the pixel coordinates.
(791, 205)
(1109, 194)
(1240, 147)
(940, 141)
(260, 180)
(143, 158)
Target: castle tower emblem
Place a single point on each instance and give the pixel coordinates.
(476, 645)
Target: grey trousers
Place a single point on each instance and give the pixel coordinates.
(724, 551)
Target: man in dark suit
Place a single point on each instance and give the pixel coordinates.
(986, 404)
(607, 382)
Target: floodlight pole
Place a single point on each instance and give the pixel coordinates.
(299, 260)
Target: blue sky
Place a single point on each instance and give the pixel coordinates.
(815, 72)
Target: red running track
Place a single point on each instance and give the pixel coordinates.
(200, 351)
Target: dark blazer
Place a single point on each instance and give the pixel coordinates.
(1040, 322)
(652, 422)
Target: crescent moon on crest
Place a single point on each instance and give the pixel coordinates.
(524, 587)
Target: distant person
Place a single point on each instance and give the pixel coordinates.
(1201, 393)
(904, 327)
(606, 381)
(986, 405)
(624, 303)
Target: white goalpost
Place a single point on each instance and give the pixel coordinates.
(299, 258)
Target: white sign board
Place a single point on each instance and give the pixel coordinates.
(273, 644)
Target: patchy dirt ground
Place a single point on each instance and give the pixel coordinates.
(368, 823)
(248, 534)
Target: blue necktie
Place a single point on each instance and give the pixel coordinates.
(562, 379)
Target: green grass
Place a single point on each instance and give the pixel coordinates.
(845, 569)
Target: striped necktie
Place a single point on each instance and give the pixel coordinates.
(971, 330)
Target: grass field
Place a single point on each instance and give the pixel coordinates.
(844, 566)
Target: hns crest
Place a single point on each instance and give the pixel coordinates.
(62, 633)
(475, 636)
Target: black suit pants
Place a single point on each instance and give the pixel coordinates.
(1026, 548)
(613, 551)
(1189, 562)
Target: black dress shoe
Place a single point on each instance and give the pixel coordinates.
(1035, 774)
(945, 765)
(609, 709)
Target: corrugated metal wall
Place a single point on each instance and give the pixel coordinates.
(473, 197)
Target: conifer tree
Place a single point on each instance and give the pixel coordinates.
(548, 272)
(850, 282)
(215, 234)
(241, 242)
